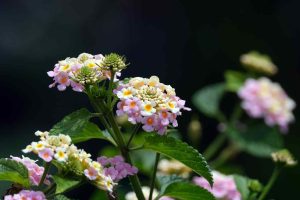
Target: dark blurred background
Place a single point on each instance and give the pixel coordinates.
(188, 44)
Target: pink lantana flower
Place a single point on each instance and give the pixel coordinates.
(224, 187)
(26, 194)
(264, 99)
(116, 167)
(147, 101)
(35, 171)
(77, 72)
(46, 154)
(91, 173)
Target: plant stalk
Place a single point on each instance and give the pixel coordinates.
(152, 184)
(134, 132)
(46, 169)
(133, 179)
(228, 153)
(115, 132)
(270, 183)
(212, 149)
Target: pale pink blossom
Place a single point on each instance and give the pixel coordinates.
(149, 102)
(224, 187)
(67, 72)
(91, 173)
(26, 195)
(35, 172)
(46, 154)
(116, 167)
(264, 99)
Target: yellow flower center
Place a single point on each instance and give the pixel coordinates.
(91, 65)
(132, 104)
(171, 105)
(148, 107)
(61, 154)
(66, 67)
(127, 93)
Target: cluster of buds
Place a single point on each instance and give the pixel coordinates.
(257, 62)
(35, 172)
(149, 102)
(26, 194)
(284, 157)
(84, 70)
(224, 187)
(60, 149)
(146, 192)
(116, 167)
(169, 167)
(264, 99)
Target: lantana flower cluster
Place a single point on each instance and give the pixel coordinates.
(264, 99)
(116, 167)
(59, 148)
(169, 167)
(35, 172)
(80, 71)
(147, 101)
(26, 194)
(224, 187)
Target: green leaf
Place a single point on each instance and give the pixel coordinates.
(13, 171)
(61, 197)
(78, 127)
(248, 188)
(180, 151)
(143, 160)
(234, 80)
(207, 100)
(64, 184)
(242, 185)
(258, 140)
(164, 181)
(186, 191)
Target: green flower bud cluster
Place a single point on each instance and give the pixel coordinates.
(257, 62)
(87, 75)
(284, 157)
(255, 186)
(114, 62)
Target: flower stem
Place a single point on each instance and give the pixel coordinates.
(214, 146)
(270, 183)
(99, 108)
(226, 155)
(154, 175)
(135, 130)
(110, 89)
(109, 122)
(46, 169)
(133, 179)
(50, 188)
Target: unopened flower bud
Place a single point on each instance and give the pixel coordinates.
(194, 129)
(257, 62)
(284, 157)
(122, 120)
(114, 62)
(87, 75)
(255, 185)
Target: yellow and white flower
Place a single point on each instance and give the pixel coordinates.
(148, 108)
(126, 93)
(61, 154)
